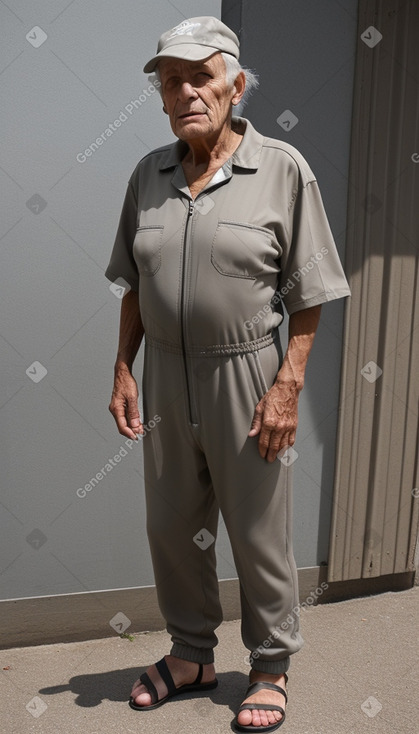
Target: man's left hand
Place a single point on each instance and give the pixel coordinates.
(275, 419)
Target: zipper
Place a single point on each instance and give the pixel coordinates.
(183, 319)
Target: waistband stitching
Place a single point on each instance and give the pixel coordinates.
(213, 349)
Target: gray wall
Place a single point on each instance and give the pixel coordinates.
(304, 53)
(55, 304)
(57, 227)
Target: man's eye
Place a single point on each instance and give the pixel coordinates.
(202, 76)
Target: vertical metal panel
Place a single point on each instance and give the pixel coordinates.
(375, 510)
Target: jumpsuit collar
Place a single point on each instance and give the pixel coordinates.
(247, 155)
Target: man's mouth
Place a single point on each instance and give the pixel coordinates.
(190, 114)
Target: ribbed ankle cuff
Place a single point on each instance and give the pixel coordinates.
(202, 655)
(275, 667)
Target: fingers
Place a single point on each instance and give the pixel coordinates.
(129, 427)
(278, 444)
(127, 417)
(271, 442)
(257, 421)
(133, 417)
(275, 420)
(124, 405)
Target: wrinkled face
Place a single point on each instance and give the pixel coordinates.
(196, 95)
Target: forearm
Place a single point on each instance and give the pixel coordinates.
(301, 333)
(131, 331)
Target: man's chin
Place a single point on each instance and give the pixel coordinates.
(192, 129)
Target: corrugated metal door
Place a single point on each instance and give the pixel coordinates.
(376, 495)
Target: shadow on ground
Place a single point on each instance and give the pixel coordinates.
(115, 685)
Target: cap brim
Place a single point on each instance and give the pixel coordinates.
(186, 51)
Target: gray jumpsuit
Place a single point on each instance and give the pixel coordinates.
(212, 275)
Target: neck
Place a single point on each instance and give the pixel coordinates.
(211, 150)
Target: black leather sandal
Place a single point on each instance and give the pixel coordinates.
(254, 688)
(172, 691)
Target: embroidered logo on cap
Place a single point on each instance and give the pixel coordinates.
(186, 28)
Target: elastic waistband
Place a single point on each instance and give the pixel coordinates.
(212, 350)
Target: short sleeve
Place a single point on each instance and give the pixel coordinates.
(311, 271)
(122, 263)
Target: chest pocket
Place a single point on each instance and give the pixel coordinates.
(243, 251)
(147, 249)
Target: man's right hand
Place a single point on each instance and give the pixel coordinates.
(124, 404)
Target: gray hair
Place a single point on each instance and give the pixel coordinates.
(233, 69)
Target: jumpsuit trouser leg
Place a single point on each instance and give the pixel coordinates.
(191, 471)
(179, 502)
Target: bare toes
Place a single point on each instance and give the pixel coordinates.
(143, 699)
(140, 694)
(256, 720)
(135, 688)
(260, 718)
(245, 717)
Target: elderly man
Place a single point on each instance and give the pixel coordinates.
(217, 230)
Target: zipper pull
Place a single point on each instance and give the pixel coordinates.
(191, 208)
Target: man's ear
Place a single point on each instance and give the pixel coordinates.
(164, 110)
(239, 87)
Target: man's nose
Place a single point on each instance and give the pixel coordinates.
(187, 91)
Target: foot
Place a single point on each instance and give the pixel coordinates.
(183, 673)
(256, 717)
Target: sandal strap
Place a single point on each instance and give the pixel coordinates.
(146, 680)
(166, 676)
(260, 685)
(199, 676)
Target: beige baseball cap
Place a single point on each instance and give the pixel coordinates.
(195, 39)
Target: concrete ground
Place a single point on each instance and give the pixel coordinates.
(358, 672)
